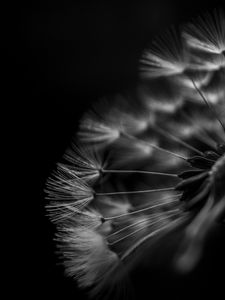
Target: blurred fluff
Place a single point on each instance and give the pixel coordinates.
(144, 166)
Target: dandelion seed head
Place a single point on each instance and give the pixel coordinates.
(165, 162)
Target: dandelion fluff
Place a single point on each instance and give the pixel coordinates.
(86, 255)
(207, 33)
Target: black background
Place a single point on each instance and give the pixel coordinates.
(60, 58)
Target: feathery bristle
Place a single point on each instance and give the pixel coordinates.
(166, 57)
(97, 132)
(86, 255)
(67, 194)
(86, 163)
(207, 33)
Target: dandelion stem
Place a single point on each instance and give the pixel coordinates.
(140, 172)
(153, 216)
(145, 225)
(211, 108)
(144, 209)
(153, 146)
(135, 192)
(171, 136)
(171, 225)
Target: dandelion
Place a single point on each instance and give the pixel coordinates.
(131, 178)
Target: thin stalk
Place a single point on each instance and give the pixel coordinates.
(135, 192)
